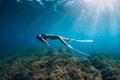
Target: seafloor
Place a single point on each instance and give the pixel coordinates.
(57, 64)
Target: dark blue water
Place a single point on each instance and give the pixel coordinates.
(21, 21)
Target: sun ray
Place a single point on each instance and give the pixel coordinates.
(100, 8)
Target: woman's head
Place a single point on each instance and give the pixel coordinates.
(38, 36)
(43, 35)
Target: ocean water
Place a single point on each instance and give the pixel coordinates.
(22, 20)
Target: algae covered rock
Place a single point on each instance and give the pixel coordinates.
(47, 64)
(58, 64)
(108, 65)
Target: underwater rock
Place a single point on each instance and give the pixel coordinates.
(107, 64)
(58, 64)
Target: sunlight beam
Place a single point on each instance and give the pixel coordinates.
(100, 8)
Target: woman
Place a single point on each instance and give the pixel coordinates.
(43, 37)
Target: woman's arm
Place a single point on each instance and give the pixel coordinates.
(45, 41)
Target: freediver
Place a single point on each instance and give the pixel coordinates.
(43, 37)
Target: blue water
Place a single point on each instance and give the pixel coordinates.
(21, 21)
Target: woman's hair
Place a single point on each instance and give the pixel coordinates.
(38, 36)
(43, 35)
